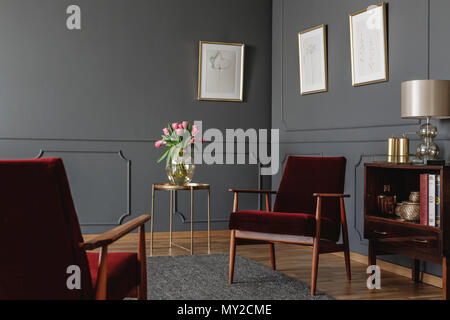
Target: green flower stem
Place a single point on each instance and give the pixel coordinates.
(180, 170)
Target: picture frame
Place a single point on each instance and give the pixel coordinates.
(221, 71)
(368, 45)
(312, 60)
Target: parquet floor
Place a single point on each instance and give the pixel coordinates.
(294, 261)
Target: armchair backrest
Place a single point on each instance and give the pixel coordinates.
(39, 232)
(304, 176)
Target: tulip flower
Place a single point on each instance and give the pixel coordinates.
(159, 143)
(177, 135)
(194, 130)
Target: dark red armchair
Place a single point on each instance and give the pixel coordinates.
(308, 210)
(40, 238)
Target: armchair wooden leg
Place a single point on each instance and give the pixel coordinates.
(232, 256)
(315, 266)
(100, 293)
(316, 249)
(347, 262)
(272, 255)
(345, 240)
(142, 258)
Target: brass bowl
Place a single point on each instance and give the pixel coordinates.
(410, 211)
(414, 196)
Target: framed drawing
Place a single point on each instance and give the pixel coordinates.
(220, 71)
(368, 45)
(312, 60)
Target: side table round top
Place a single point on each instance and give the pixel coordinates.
(190, 186)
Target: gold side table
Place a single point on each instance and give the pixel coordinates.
(171, 188)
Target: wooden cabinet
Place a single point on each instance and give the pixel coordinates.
(391, 235)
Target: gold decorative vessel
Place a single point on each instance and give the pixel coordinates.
(409, 211)
(414, 196)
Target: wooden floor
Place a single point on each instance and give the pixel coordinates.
(294, 261)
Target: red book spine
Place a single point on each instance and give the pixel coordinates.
(424, 199)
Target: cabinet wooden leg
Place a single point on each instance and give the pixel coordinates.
(372, 253)
(415, 270)
(446, 278)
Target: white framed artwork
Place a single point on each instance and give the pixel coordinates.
(368, 45)
(312, 56)
(220, 71)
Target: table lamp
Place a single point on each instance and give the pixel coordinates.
(426, 99)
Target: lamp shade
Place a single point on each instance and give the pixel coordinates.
(423, 99)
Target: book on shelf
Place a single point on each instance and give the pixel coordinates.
(438, 201)
(431, 200)
(424, 199)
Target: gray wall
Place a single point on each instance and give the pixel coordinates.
(99, 97)
(354, 122)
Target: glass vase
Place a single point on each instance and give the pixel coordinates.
(180, 170)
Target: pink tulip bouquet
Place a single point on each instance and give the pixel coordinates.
(177, 137)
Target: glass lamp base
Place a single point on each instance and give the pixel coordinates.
(427, 149)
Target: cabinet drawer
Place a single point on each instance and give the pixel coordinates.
(428, 250)
(420, 242)
(375, 228)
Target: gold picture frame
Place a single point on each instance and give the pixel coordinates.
(313, 64)
(221, 71)
(375, 18)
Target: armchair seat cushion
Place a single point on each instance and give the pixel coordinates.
(122, 275)
(301, 224)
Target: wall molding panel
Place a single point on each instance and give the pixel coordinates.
(120, 154)
(357, 195)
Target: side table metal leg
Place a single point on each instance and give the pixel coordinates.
(153, 220)
(209, 221)
(192, 220)
(170, 217)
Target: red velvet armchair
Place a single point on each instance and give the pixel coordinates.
(40, 238)
(308, 210)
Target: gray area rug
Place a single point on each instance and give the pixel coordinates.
(205, 277)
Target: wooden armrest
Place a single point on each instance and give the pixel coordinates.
(237, 191)
(252, 191)
(115, 234)
(331, 195)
